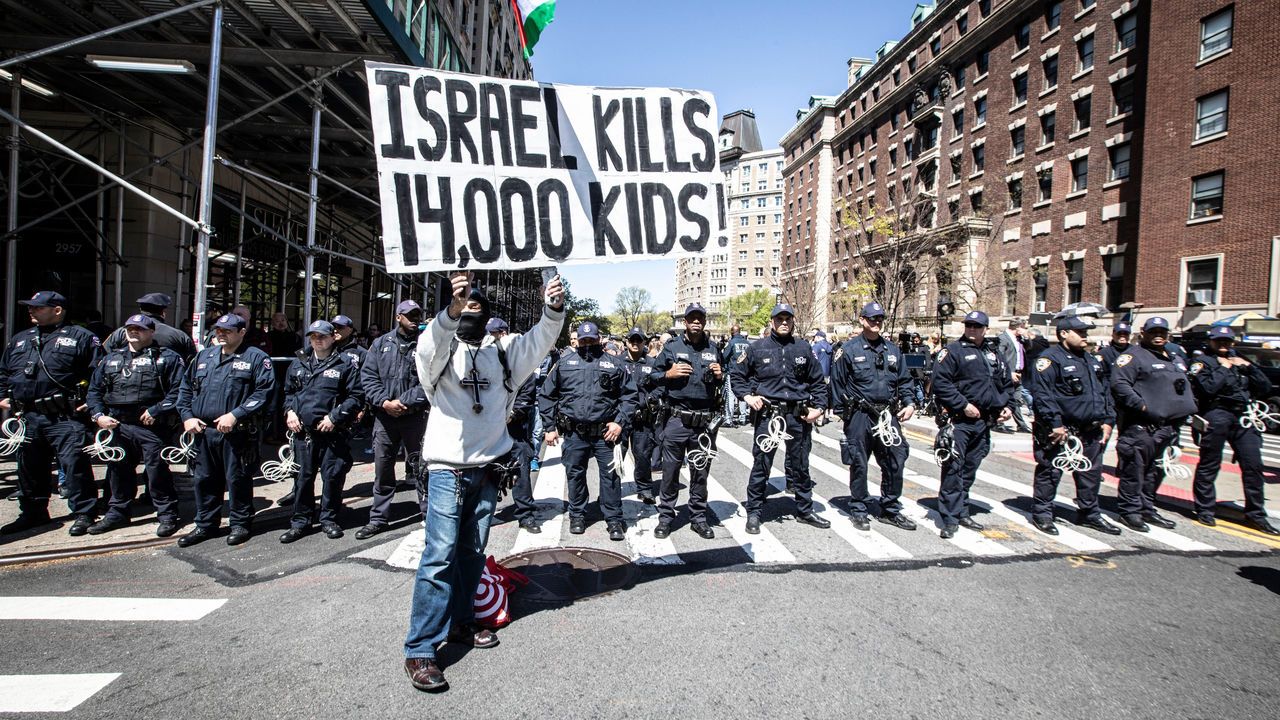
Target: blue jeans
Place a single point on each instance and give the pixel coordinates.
(459, 508)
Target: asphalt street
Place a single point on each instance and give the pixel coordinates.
(796, 622)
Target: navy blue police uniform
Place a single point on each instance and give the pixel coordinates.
(168, 337)
(642, 437)
(316, 388)
(126, 385)
(1223, 393)
(735, 352)
(520, 427)
(389, 373)
(46, 370)
(782, 370)
(868, 378)
(692, 405)
(967, 374)
(216, 383)
(583, 393)
(1153, 396)
(1069, 390)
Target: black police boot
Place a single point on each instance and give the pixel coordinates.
(1262, 526)
(948, 531)
(970, 523)
(286, 500)
(238, 535)
(860, 521)
(107, 524)
(814, 519)
(617, 530)
(80, 526)
(26, 521)
(897, 520)
(198, 535)
(1159, 520)
(1206, 519)
(1101, 525)
(647, 498)
(703, 530)
(293, 534)
(369, 531)
(331, 530)
(529, 525)
(1045, 525)
(753, 524)
(166, 528)
(577, 526)
(663, 530)
(1134, 522)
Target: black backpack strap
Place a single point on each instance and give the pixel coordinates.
(506, 370)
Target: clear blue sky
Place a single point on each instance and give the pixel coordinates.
(768, 57)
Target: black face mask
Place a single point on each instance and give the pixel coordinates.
(590, 351)
(471, 327)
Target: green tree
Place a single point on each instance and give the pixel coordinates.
(577, 311)
(750, 310)
(631, 304)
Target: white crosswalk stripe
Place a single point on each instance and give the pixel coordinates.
(763, 548)
(50, 693)
(549, 494)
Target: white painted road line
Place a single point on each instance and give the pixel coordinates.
(868, 542)
(49, 693)
(641, 520)
(549, 495)
(408, 554)
(108, 609)
(964, 539)
(762, 548)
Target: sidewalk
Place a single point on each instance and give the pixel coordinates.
(141, 532)
(1016, 447)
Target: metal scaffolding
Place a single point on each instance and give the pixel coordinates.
(302, 105)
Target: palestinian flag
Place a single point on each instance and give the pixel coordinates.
(533, 16)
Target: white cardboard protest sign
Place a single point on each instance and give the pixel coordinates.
(484, 173)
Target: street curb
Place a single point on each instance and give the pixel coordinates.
(83, 551)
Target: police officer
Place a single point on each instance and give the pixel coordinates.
(154, 305)
(344, 335)
(1074, 415)
(872, 391)
(735, 352)
(1224, 385)
(690, 372)
(1119, 343)
(134, 394)
(590, 398)
(971, 385)
(784, 387)
(45, 371)
(1153, 397)
(639, 366)
(322, 396)
(391, 387)
(225, 392)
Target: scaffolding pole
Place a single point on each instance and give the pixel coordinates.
(11, 247)
(119, 275)
(206, 176)
(309, 260)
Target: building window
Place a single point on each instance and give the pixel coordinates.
(744, 221)
(1015, 194)
(1018, 140)
(1202, 281)
(742, 255)
(963, 24)
(1080, 174)
(1020, 89)
(956, 161)
(893, 156)
(1086, 4)
(984, 62)
(1215, 34)
(762, 185)
(1022, 38)
(1053, 16)
(742, 272)
(979, 111)
(1084, 54)
(1011, 291)
(1113, 281)
(1048, 127)
(1040, 280)
(984, 7)
(746, 203)
(893, 120)
(957, 122)
(935, 46)
(1206, 195)
(980, 158)
(1211, 114)
(1044, 183)
(1127, 32)
(777, 217)
(1120, 161)
(1075, 280)
(872, 167)
(1084, 112)
(1122, 93)
(959, 78)
(759, 219)
(975, 201)
(1050, 72)
(911, 63)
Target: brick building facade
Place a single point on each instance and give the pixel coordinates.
(1210, 221)
(998, 141)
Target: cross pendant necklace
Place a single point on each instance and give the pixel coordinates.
(476, 383)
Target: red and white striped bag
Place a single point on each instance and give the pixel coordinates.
(493, 594)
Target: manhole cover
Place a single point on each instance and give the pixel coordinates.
(562, 575)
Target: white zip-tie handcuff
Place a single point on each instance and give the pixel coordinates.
(285, 468)
(1257, 415)
(701, 457)
(619, 457)
(1072, 458)
(13, 435)
(776, 435)
(183, 452)
(102, 449)
(1168, 462)
(884, 430)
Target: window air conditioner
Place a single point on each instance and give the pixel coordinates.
(1039, 306)
(1199, 297)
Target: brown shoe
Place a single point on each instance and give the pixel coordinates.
(425, 674)
(474, 636)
